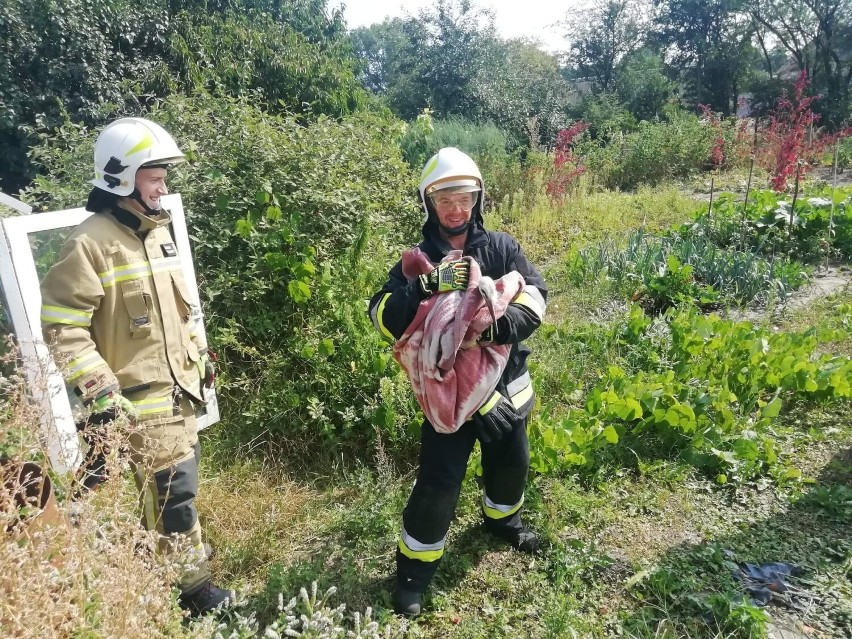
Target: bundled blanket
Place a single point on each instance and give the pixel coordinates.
(451, 373)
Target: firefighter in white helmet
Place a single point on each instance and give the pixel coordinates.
(116, 311)
(453, 197)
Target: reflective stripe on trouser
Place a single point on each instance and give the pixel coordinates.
(165, 454)
(431, 505)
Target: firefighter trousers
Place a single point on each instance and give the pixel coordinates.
(164, 455)
(431, 505)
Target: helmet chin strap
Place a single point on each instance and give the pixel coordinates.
(452, 232)
(136, 195)
(459, 230)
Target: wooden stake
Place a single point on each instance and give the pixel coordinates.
(745, 204)
(830, 231)
(710, 206)
(793, 208)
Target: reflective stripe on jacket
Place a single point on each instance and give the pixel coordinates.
(393, 308)
(116, 310)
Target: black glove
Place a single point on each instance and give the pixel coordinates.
(493, 330)
(446, 277)
(207, 368)
(109, 407)
(495, 419)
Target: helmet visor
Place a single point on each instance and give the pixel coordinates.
(451, 199)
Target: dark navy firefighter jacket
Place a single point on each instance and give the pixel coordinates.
(393, 308)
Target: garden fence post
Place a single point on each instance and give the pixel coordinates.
(710, 206)
(830, 231)
(745, 204)
(793, 208)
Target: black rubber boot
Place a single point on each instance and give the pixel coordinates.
(525, 541)
(522, 539)
(407, 603)
(206, 599)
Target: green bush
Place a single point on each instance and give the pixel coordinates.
(90, 60)
(284, 218)
(607, 116)
(685, 266)
(769, 224)
(694, 386)
(655, 151)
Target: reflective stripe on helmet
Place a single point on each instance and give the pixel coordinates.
(126, 145)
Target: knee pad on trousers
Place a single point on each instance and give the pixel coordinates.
(177, 488)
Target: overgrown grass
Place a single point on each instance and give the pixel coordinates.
(631, 547)
(631, 550)
(547, 229)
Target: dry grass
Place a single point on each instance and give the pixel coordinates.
(548, 229)
(75, 568)
(255, 517)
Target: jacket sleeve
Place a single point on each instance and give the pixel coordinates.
(71, 292)
(526, 312)
(393, 308)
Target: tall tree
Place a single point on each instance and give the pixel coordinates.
(601, 34)
(431, 60)
(520, 88)
(709, 44)
(455, 36)
(817, 34)
(643, 86)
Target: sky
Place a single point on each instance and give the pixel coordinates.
(513, 18)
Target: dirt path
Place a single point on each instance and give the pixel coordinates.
(827, 282)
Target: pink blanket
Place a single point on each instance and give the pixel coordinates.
(452, 374)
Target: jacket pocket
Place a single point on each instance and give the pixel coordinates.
(186, 308)
(138, 305)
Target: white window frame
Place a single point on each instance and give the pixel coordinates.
(23, 300)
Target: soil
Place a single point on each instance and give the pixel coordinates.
(826, 282)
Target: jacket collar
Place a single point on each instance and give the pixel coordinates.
(437, 246)
(130, 213)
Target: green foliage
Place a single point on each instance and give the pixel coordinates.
(416, 143)
(88, 61)
(608, 117)
(601, 34)
(642, 85)
(71, 57)
(844, 154)
(653, 153)
(685, 266)
(674, 285)
(448, 59)
(283, 218)
(712, 45)
(695, 595)
(238, 53)
(769, 224)
(705, 388)
(834, 501)
(428, 61)
(521, 90)
(481, 141)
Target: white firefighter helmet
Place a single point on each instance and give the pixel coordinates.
(126, 145)
(452, 169)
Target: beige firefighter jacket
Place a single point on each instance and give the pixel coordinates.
(117, 313)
